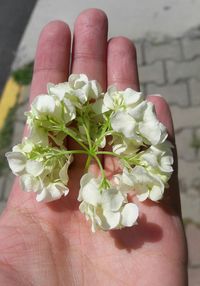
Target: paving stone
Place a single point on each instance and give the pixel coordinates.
(8, 185)
(184, 145)
(174, 94)
(189, 174)
(20, 117)
(197, 136)
(190, 203)
(140, 59)
(194, 86)
(24, 93)
(153, 73)
(168, 50)
(183, 70)
(193, 240)
(18, 132)
(2, 182)
(2, 206)
(191, 47)
(194, 276)
(185, 117)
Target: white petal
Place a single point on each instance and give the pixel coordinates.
(97, 106)
(34, 168)
(124, 123)
(156, 193)
(91, 194)
(137, 112)
(63, 174)
(142, 197)
(107, 102)
(131, 96)
(112, 199)
(38, 136)
(52, 192)
(44, 104)
(30, 183)
(43, 196)
(16, 161)
(129, 214)
(58, 90)
(112, 219)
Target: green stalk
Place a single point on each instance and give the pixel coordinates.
(66, 131)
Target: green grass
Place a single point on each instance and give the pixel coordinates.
(23, 76)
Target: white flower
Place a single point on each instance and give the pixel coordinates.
(125, 124)
(52, 192)
(39, 170)
(144, 184)
(121, 100)
(58, 90)
(84, 88)
(46, 108)
(122, 145)
(159, 158)
(150, 128)
(107, 208)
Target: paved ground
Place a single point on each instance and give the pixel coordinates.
(14, 16)
(172, 68)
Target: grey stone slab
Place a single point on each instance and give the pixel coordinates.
(173, 93)
(184, 145)
(153, 73)
(18, 132)
(193, 240)
(190, 202)
(168, 50)
(194, 86)
(191, 47)
(189, 177)
(2, 183)
(177, 71)
(185, 117)
(194, 276)
(139, 47)
(20, 117)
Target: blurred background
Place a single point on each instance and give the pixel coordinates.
(167, 37)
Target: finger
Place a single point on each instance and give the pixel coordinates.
(122, 72)
(51, 64)
(89, 56)
(52, 57)
(90, 45)
(122, 68)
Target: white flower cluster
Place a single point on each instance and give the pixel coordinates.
(80, 110)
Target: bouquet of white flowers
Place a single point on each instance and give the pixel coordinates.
(80, 110)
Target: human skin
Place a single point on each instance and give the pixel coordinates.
(52, 244)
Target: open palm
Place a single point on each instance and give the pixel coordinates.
(52, 244)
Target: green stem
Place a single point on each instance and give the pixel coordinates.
(66, 131)
(74, 152)
(109, 153)
(88, 162)
(100, 165)
(88, 137)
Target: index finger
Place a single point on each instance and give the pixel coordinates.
(52, 57)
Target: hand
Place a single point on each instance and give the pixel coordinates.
(52, 244)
